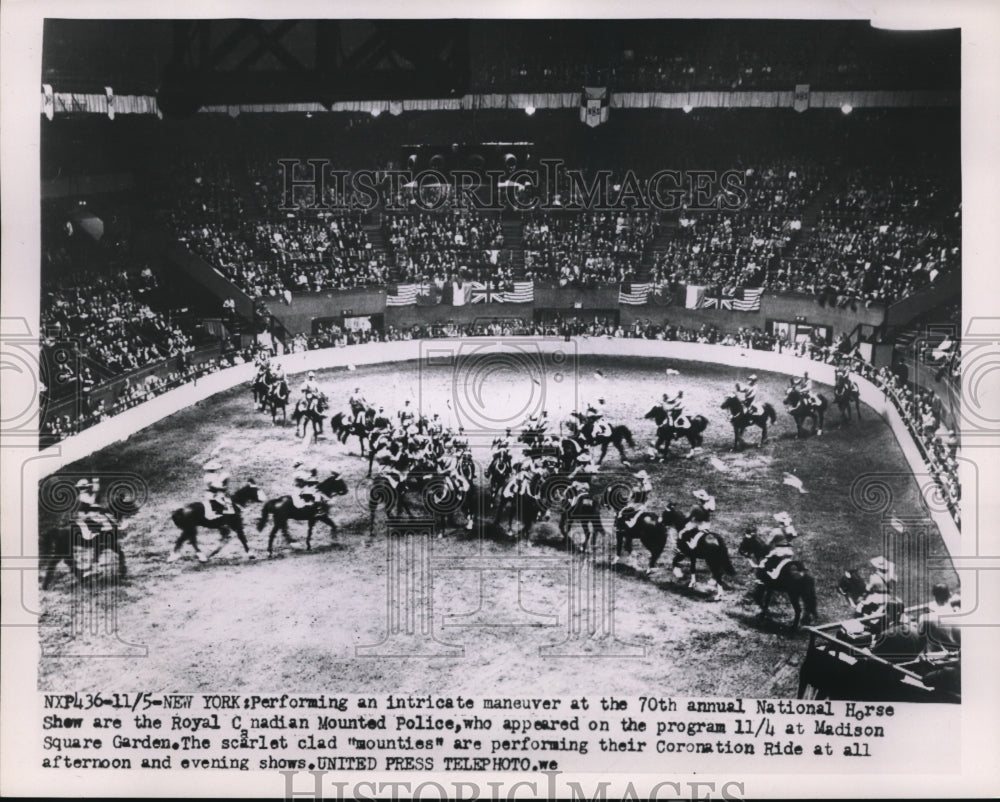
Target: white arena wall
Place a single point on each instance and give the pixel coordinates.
(133, 420)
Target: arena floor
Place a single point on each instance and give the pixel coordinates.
(294, 622)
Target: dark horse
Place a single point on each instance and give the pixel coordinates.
(614, 435)
(709, 547)
(741, 419)
(310, 412)
(666, 432)
(800, 411)
(794, 580)
(259, 387)
(525, 505)
(59, 544)
(844, 393)
(283, 510)
(585, 511)
(190, 517)
(652, 533)
(277, 398)
(344, 425)
(498, 473)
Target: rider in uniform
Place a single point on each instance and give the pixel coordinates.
(304, 483)
(805, 386)
(639, 497)
(311, 390)
(785, 527)
(747, 393)
(674, 405)
(697, 519)
(595, 417)
(218, 503)
(90, 515)
(770, 564)
(581, 478)
(358, 405)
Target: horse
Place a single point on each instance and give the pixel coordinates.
(392, 497)
(191, 516)
(283, 510)
(800, 411)
(59, 544)
(259, 388)
(666, 431)
(498, 472)
(742, 419)
(277, 398)
(344, 425)
(652, 533)
(524, 504)
(845, 392)
(310, 411)
(613, 435)
(794, 580)
(585, 511)
(709, 547)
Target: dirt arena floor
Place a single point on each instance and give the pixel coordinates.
(493, 604)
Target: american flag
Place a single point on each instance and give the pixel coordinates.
(522, 292)
(402, 295)
(747, 300)
(634, 294)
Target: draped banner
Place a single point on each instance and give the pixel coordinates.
(594, 105)
(801, 102)
(634, 294)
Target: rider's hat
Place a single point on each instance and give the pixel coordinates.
(83, 483)
(779, 540)
(752, 377)
(642, 475)
(701, 495)
(312, 374)
(882, 565)
(213, 465)
(783, 517)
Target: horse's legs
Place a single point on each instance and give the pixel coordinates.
(654, 554)
(309, 534)
(763, 432)
(694, 564)
(797, 606)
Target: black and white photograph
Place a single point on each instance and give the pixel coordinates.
(597, 404)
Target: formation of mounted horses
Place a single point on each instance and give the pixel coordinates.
(418, 467)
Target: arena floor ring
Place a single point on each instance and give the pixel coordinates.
(295, 621)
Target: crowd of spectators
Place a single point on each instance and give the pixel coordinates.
(580, 249)
(441, 246)
(273, 259)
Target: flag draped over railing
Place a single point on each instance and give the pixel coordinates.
(739, 299)
(634, 293)
(402, 294)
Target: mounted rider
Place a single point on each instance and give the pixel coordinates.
(674, 407)
(595, 417)
(501, 444)
(746, 394)
(804, 385)
(771, 564)
(358, 405)
(310, 389)
(581, 479)
(304, 481)
(91, 516)
(521, 480)
(381, 420)
(785, 528)
(629, 515)
(697, 520)
(406, 415)
(217, 501)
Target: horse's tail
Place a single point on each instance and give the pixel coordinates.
(626, 435)
(265, 512)
(177, 516)
(724, 561)
(769, 413)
